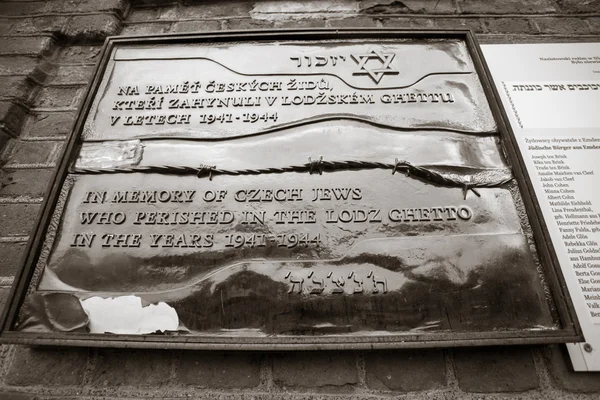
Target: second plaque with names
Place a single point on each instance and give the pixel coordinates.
(289, 190)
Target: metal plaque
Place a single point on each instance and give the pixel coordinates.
(298, 189)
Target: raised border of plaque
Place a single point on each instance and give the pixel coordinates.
(568, 329)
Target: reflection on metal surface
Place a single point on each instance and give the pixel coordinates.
(345, 190)
(110, 154)
(126, 315)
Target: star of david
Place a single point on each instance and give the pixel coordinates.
(375, 73)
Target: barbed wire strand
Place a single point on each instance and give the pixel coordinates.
(313, 166)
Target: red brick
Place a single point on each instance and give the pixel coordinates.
(16, 396)
(25, 182)
(35, 366)
(570, 26)
(92, 27)
(25, 45)
(80, 54)
(5, 26)
(58, 97)
(11, 117)
(561, 371)
(249, 24)
(37, 25)
(219, 370)
(594, 25)
(49, 124)
(4, 138)
(457, 23)
(207, 10)
(192, 26)
(495, 369)
(358, 22)
(406, 370)
(143, 15)
(407, 6)
(17, 8)
(580, 6)
(17, 219)
(16, 87)
(131, 367)
(31, 152)
(302, 23)
(408, 23)
(146, 29)
(12, 255)
(508, 25)
(315, 369)
(506, 7)
(72, 75)
(85, 6)
(21, 65)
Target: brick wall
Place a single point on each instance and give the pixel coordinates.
(47, 54)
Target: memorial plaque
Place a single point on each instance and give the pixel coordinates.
(287, 190)
(552, 95)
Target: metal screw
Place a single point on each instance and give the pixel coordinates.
(588, 347)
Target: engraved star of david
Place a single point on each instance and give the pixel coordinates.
(375, 73)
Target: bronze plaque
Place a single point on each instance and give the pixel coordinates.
(290, 190)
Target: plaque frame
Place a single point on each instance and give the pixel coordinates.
(570, 330)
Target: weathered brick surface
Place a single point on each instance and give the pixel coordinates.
(4, 293)
(143, 15)
(565, 26)
(579, 6)
(495, 369)
(5, 26)
(35, 366)
(18, 8)
(58, 97)
(16, 87)
(562, 373)
(358, 22)
(25, 45)
(71, 75)
(315, 369)
(12, 253)
(405, 370)
(25, 182)
(92, 27)
(22, 65)
(80, 54)
(37, 25)
(475, 24)
(114, 368)
(507, 25)
(223, 370)
(84, 6)
(17, 219)
(207, 9)
(49, 124)
(7, 395)
(12, 116)
(31, 152)
(407, 6)
(146, 29)
(507, 6)
(196, 26)
(241, 24)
